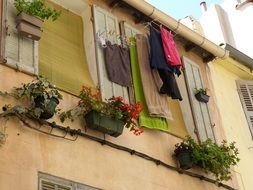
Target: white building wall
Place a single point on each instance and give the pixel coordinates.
(225, 24)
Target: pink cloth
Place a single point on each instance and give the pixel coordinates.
(170, 48)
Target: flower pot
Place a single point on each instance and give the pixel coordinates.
(202, 97)
(29, 26)
(184, 159)
(104, 124)
(48, 109)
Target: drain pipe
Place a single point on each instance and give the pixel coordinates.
(178, 28)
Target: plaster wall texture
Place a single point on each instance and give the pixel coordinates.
(233, 118)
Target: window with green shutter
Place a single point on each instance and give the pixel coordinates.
(245, 90)
(201, 113)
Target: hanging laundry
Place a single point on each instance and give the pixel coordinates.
(144, 120)
(170, 49)
(158, 61)
(169, 86)
(156, 103)
(117, 62)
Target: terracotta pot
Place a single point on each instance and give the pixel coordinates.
(104, 124)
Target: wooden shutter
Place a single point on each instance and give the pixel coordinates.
(20, 53)
(105, 24)
(200, 110)
(49, 185)
(245, 90)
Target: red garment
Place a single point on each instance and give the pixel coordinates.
(170, 49)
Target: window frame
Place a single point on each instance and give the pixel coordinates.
(62, 182)
(248, 113)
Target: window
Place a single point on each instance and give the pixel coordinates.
(245, 90)
(201, 114)
(20, 52)
(49, 182)
(107, 26)
(62, 56)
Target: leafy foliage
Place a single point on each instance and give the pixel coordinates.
(36, 8)
(113, 108)
(212, 157)
(201, 90)
(40, 88)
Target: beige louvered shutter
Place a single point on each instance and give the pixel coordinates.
(245, 90)
(106, 25)
(20, 53)
(200, 110)
(48, 185)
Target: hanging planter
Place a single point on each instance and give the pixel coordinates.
(47, 107)
(183, 154)
(201, 95)
(109, 116)
(31, 15)
(104, 124)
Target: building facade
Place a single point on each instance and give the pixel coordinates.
(69, 55)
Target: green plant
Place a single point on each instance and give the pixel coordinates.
(39, 94)
(36, 8)
(201, 90)
(212, 157)
(113, 108)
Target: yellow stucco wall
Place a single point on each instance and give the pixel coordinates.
(224, 75)
(27, 152)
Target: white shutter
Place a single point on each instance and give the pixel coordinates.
(245, 90)
(107, 25)
(200, 110)
(49, 185)
(20, 52)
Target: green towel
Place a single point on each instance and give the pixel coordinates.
(144, 120)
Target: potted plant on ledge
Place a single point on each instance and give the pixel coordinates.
(109, 117)
(211, 157)
(31, 15)
(201, 94)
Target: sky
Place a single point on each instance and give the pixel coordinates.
(179, 9)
